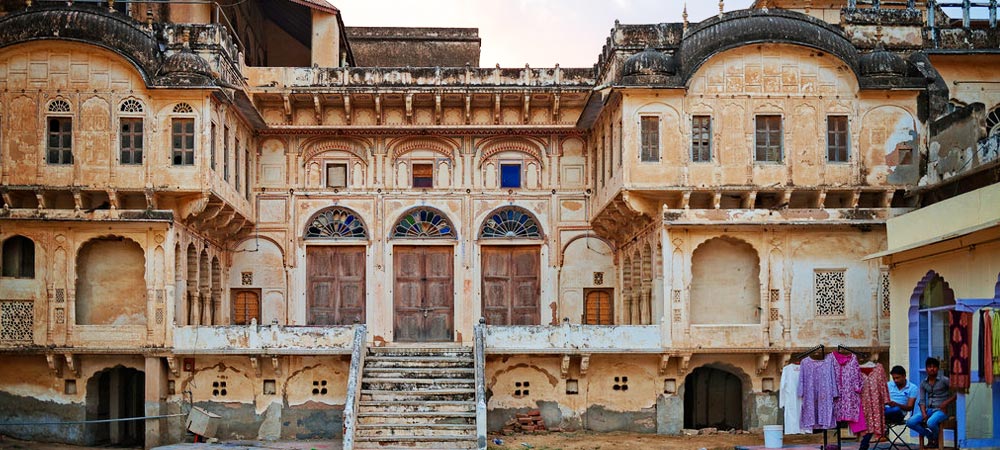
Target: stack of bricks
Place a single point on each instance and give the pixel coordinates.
(526, 423)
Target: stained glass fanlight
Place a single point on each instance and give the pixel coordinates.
(336, 223)
(423, 223)
(510, 223)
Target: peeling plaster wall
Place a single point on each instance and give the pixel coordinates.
(259, 264)
(725, 288)
(584, 256)
(308, 402)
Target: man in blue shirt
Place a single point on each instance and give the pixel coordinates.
(935, 398)
(902, 397)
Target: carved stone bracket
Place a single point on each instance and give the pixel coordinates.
(685, 363)
(584, 364)
(664, 360)
(55, 364)
(255, 363)
(564, 368)
(72, 365)
(276, 364)
(172, 366)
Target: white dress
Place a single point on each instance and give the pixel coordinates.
(789, 398)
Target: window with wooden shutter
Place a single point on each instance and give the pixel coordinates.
(336, 175)
(423, 175)
(650, 137)
(598, 307)
(768, 142)
(701, 139)
(836, 139)
(246, 307)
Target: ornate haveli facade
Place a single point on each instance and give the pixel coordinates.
(319, 231)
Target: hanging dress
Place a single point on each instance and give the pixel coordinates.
(789, 398)
(874, 396)
(818, 389)
(848, 403)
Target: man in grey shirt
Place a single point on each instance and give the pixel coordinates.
(935, 397)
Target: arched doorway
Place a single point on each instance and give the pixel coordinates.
(336, 240)
(116, 393)
(510, 239)
(424, 281)
(713, 398)
(930, 306)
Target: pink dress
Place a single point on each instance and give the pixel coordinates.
(847, 406)
(874, 396)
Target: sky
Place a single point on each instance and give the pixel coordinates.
(540, 33)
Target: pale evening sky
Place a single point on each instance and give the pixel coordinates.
(537, 32)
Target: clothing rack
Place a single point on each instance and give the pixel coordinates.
(822, 351)
(859, 354)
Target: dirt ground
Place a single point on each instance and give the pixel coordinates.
(635, 441)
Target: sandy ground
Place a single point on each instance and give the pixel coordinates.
(549, 441)
(634, 441)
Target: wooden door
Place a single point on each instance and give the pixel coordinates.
(423, 294)
(336, 285)
(246, 307)
(510, 285)
(597, 306)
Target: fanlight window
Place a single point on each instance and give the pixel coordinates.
(423, 223)
(337, 223)
(993, 121)
(183, 108)
(131, 106)
(510, 223)
(58, 106)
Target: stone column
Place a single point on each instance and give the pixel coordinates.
(155, 396)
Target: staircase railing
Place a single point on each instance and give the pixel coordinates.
(479, 353)
(354, 385)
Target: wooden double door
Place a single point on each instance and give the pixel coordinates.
(336, 285)
(511, 285)
(423, 293)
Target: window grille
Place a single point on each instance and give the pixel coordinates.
(829, 292)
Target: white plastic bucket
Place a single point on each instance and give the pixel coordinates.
(773, 436)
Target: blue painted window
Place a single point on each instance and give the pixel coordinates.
(510, 175)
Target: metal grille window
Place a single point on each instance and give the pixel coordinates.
(829, 291)
(650, 137)
(60, 142)
(768, 143)
(17, 321)
(836, 139)
(701, 138)
(883, 293)
(182, 141)
(131, 141)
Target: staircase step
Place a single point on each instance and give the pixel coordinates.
(418, 372)
(416, 406)
(389, 444)
(421, 395)
(445, 414)
(412, 438)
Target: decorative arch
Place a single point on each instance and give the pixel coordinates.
(746, 27)
(913, 314)
(113, 265)
(423, 222)
(446, 147)
(565, 247)
(317, 146)
(725, 267)
(491, 147)
(510, 222)
(336, 222)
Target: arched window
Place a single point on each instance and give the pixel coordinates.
(19, 257)
(336, 223)
(423, 223)
(510, 222)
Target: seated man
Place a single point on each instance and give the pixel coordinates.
(935, 397)
(902, 397)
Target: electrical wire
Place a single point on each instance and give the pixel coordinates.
(82, 422)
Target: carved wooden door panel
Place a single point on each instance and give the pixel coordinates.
(424, 293)
(336, 279)
(510, 285)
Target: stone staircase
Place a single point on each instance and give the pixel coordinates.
(417, 397)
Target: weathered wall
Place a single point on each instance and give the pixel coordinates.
(725, 285)
(110, 266)
(414, 47)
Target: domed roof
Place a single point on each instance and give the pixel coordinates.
(185, 62)
(882, 63)
(649, 62)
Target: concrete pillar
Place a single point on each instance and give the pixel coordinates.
(154, 401)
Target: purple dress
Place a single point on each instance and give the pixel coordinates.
(818, 388)
(847, 406)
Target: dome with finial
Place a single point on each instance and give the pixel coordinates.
(882, 63)
(649, 62)
(185, 67)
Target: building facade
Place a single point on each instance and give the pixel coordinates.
(203, 204)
